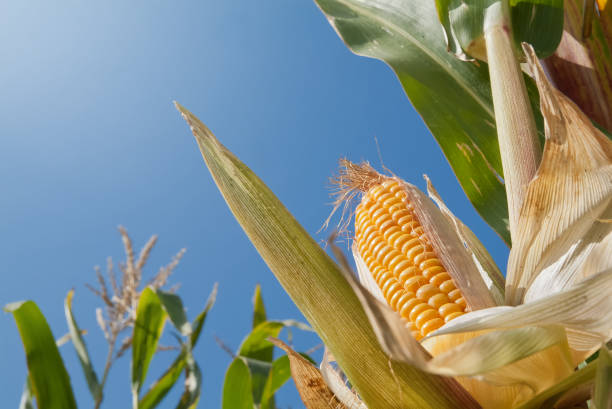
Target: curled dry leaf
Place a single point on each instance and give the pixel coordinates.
(337, 384)
(309, 382)
(559, 224)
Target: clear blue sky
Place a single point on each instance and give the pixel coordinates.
(90, 140)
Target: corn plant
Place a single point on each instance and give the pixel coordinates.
(254, 375)
(135, 311)
(428, 320)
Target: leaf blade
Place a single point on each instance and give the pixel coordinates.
(173, 305)
(81, 349)
(259, 309)
(49, 378)
(279, 374)
(150, 319)
(237, 389)
(158, 391)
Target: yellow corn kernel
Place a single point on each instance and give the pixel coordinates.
(394, 247)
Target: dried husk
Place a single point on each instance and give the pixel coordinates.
(563, 217)
(309, 382)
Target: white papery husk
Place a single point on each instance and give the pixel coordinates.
(559, 281)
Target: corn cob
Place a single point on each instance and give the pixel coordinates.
(394, 247)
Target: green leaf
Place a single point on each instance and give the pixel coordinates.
(537, 22)
(27, 397)
(49, 379)
(256, 344)
(198, 323)
(81, 349)
(150, 319)
(193, 386)
(259, 310)
(453, 97)
(319, 288)
(176, 312)
(256, 347)
(602, 394)
(164, 384)
(237, 389)
(279, 374)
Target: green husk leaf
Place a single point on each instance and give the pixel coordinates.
(150, 319)
(49, 379)
(81, 349)
(317, 286)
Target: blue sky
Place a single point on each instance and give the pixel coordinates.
(90, 141)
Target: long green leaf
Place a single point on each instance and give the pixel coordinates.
(81, 349)
(257, 348)
(193, 386)
(49, 379)
(27, 398)
(164, 384)
(256, 344)
(259, 310)
(452, 96)
(279, 374)
(173, 305)
(602, 395)
(150, 319)
(198, 323)
(237, 386)
(319, 289)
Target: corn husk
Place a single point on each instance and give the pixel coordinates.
(317, 286)
(559, 274)
(309, 382)
(562, 220)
